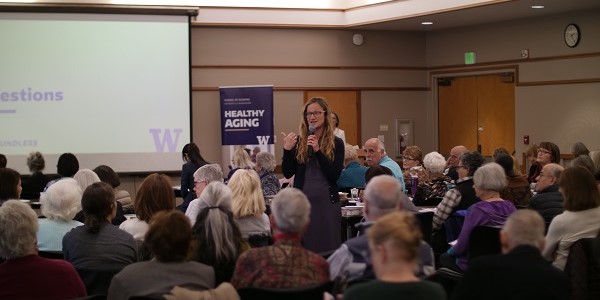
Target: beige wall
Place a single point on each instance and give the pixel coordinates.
(558, 109)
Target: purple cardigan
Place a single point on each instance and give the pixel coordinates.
(482, 213)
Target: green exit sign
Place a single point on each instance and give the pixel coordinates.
(469, 58)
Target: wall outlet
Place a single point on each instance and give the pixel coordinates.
(525, 53)
(381, 138)
(383, 127)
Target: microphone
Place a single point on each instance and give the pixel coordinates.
(311, 131)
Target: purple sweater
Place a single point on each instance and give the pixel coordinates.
(484, 213)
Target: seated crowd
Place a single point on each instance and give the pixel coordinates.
(229, 238)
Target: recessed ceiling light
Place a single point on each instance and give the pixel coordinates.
(427, 23)
(537, 6)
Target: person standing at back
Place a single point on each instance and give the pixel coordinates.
(316, 157)
(193, 161)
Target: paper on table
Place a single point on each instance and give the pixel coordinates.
(453, 243)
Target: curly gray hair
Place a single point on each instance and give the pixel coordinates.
(18, 229)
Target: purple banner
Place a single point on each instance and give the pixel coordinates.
(247, 115)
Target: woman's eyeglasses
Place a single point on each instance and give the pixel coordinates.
(313, 113)
(543, 151)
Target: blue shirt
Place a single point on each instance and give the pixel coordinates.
(352, 176)
(387, 162)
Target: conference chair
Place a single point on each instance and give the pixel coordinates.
(425, 223)
(583, 269)
(314, 292)
(484, 240)
(97, 282)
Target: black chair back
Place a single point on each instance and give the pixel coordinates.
(305, 293)
(51, 254)
(97, 281)
(484, 240)
(426, 224)
(259, 240)
(583, 269)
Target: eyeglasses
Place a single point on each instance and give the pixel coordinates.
(543, 151)
(407, 158)
(202, 181)
(544, 175)
(313, 113)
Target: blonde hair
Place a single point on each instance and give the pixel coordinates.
(400, 230)
(241, 159)
(326, 142)
(246, 193)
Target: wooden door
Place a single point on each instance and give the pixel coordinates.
(476, 111)
(346, 104)
(457, 113)
(496, 114)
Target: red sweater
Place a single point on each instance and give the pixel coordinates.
(35, 277)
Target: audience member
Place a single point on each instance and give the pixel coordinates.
(108, 175)
(375, 155)
(24, 274)
(578, 149)
(581, 218)
(517, 188)
(193, 160)
(85, 178)
(453, 160)
(492, 210)
(548, 153)
(412, 164)
(520, 273)
(462, 196)
(353, 175)
(3, 161)
(377, 170)
(255, 151)
(499, 151)
(99, 245)
(549, 200)
(155, 194)
(352, 261)
(394, 242)
(59, 204)
(335, 119)
(286, 264)
(10, 184)
(241, 160)
(218, 239)
(215, 194)
(202, 178)
(248, 204)
(315, 157)
(169, 238)
(595, 156)
(535, 168)
(35, 184)
(437, 186)
(265, 166)
(584, 161)
(66, 166)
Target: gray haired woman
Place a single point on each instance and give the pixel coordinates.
(265, 165)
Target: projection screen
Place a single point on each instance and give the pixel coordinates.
(112, 89)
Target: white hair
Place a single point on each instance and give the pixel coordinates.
(85, 178)
(18, 229)
(62, 200)
(434, 162)
(291, 210)
(383, 194)
(525, 227)
(266, 161)
(210, 173)
(215, 194)
(490, 177)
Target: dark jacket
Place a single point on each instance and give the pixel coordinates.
(331, 169)
(467, 195)
(522, 274)
(548, 202)
(517, 190)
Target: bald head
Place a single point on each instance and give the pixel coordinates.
(382, 195)
(455, 153)
(548, 176)
(523, 227)
(374, 151)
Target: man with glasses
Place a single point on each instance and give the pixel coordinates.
(202, 177)
(375, 155)
(452, 161)
(549, 200)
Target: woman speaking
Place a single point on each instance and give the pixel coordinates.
(315, 157)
